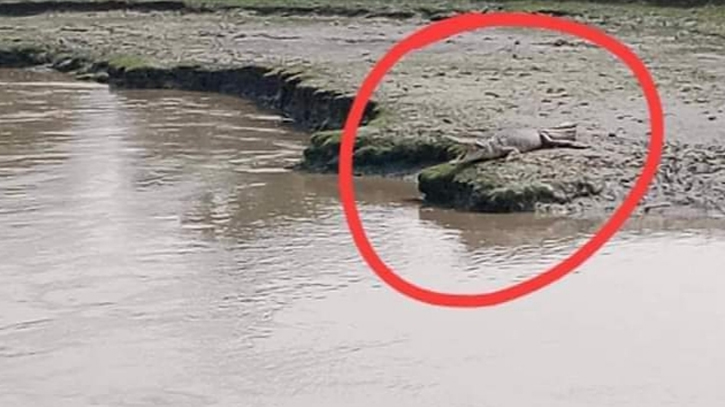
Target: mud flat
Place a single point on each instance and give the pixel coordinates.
(308, 62)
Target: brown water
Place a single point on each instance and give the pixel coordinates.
(154, 252)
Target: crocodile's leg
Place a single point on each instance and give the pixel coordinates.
(512, 153)
(461, 157)
(458, 159)
(554, 143)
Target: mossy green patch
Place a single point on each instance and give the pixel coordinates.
(127, 62)
(438, 173)
(378, 150)
(384, 118)
(517, 197)
(499, 186)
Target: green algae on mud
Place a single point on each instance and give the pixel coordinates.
(378, 150)
(127, 62)
(500, 186)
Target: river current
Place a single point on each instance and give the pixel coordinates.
(154, 251)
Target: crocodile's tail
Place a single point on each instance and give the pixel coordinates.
(566, 125)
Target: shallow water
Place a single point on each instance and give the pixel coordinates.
(155, 252)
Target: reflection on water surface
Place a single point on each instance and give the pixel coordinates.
(157, 253)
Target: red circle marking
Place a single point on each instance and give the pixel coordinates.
(438, 31)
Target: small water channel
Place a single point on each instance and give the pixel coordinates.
(154, 251)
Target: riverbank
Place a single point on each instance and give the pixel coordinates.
(309, 66)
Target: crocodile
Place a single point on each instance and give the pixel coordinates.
(514, 142)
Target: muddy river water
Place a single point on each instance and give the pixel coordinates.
(155, 252)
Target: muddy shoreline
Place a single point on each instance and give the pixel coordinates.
(312, 108)
(404, 125)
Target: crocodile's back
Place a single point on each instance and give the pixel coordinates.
(498, 145)
(529, 139)
(522, 139)
(502, 143)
